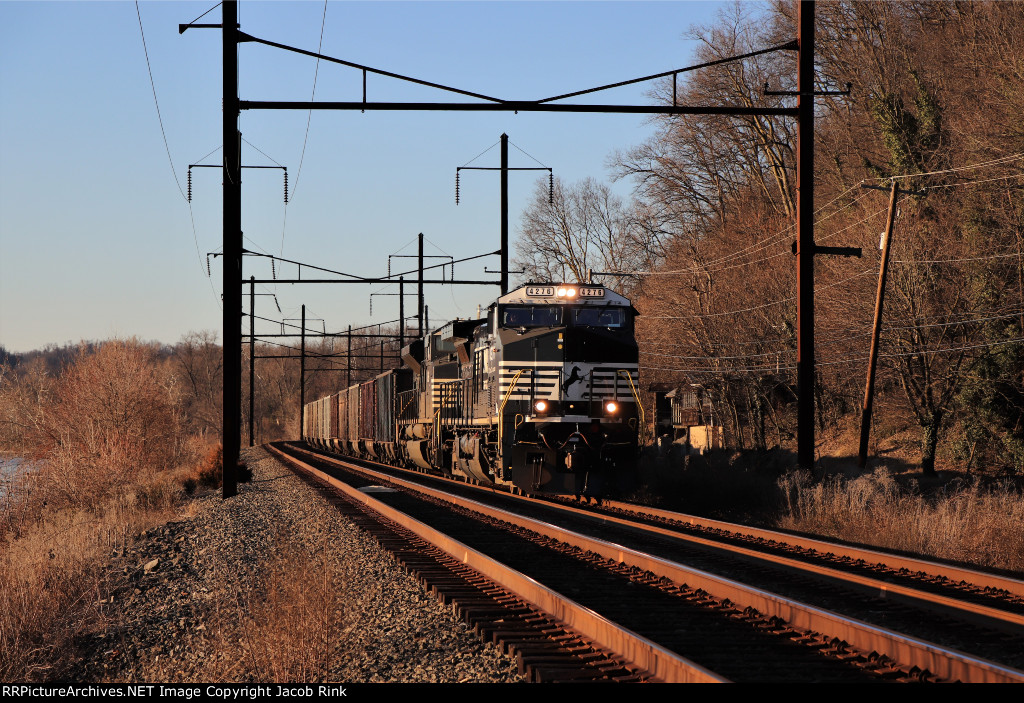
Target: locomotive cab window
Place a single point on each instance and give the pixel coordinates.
(531, 316)
(612, 318)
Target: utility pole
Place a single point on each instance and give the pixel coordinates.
(348, 368)
(805, 238)
(869, 388)
(252, 352)
(232, 235)
(401, 312)
(504, 213)
(504, 168)
(419, 313)
(302, 376)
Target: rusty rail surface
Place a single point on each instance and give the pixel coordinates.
(978, 613)
(907, 651)
(896, 561)
(662, 664)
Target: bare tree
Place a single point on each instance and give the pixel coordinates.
(199, 360)
(582, 227)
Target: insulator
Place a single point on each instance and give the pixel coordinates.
(190, 185)
(286, 186)
(273, 272)
(208, 274)
(456, 187)
(551, 188)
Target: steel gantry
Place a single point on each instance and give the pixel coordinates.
(233, 105)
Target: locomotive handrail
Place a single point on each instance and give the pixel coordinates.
(639, 405)
(412, 399)
(501, 411)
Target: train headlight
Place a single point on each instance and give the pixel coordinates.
(541, 406)
(561, 292)
(611, 406)
(570, 292)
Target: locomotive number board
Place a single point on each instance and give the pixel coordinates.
(551, 292)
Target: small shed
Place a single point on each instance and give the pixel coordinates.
(685, 415)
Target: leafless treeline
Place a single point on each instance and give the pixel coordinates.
(937, 94)
(47, 393)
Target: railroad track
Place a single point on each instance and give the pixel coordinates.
(600, 595)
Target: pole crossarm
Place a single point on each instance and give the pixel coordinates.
(788, 46)
(221, 166)
(390, 278)
(499, 168)
(321, 355)
(249, 252)
(518, 106)
(324, 333)
(498, 103)
(243, 37)
(442, 281)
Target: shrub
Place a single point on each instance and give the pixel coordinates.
(969, 523)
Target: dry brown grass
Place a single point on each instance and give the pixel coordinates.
(108, 448)
(968, 523)
(282, 627)
(53, 575)
(291, 622)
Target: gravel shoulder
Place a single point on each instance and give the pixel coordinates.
(192, 599)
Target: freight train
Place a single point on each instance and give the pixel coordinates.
(540, 395)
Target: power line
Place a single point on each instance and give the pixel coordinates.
(892, 355)
(953, 261)
(777, 238)
(309, 116)
(260, 150)
(204, 14)
(969, 167)
(159, 117)
(968, 183)
(167, 148)
(751, 309)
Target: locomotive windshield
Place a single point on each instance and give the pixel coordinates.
(612, 318)
(531, 316)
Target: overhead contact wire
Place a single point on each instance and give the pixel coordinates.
(167, 148)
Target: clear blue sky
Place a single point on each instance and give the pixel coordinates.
(96, 240)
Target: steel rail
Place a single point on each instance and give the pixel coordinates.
(907, 651)
(982, 614)
(662, 664)
(977, 578)
(975, 612)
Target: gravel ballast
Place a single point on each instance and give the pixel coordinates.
(185, 609)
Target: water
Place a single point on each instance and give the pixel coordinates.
(10, 468)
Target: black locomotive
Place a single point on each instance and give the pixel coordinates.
(541, 394)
